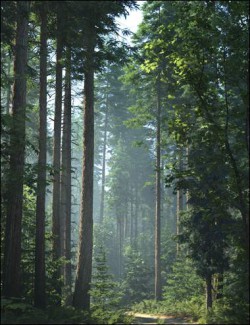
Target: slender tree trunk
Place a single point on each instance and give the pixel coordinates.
(119, 237)
(179, 206)
(81, 298)
(104, 161)
(187, 192)
(158, 289)
(56, 156)
(12, 250)
(136, 215)
(8, 95)
(131, 217)
(220, 285)
(66, 179)
(209, 300)
(39, 285)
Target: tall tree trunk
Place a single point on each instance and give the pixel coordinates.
(136, 216)
(12, 250)
(131, 216)
(56, 155)
(8, 95)
(39, 285)
(120, 247)
(66, 179)
(158, 289)
(220, 285)
(81, 297)
(187, 196)
(179, 205)
(209, 300)
(104, 161)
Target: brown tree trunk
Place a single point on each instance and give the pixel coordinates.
(56, 156)
(104, 161)
(81, 297)
(158, 289)
(66, 179)
(12, 250)
(39, 285)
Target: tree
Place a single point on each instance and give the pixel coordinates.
(104, 158)
(137, 283)
(81, 298)
(12, 249)
(66, 177)
(104, 291)
(39, 286)
(56, 225)
(104, 17)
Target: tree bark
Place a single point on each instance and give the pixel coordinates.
(136, 216)
(158, 289)
(66, 179)
(56, 155)
(12, 250)
(179, 204)
(220, 285)
(8, 95)
(104, 161)
(209, 300)
(39, 285)
(81, 297)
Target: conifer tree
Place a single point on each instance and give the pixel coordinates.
(12, 249)
(39, 285)
(105, 296)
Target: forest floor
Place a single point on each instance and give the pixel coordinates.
(159, 319)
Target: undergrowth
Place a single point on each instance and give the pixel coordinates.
(223, 311)
(192, 308)
(17, 311)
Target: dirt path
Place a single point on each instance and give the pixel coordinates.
(158, 319)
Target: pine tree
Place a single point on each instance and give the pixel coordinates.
(12, 249)
(39, 286)
(104, 293)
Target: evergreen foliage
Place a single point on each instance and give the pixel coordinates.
(137, 283)
(105, 293)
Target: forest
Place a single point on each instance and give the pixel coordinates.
(124, 162)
